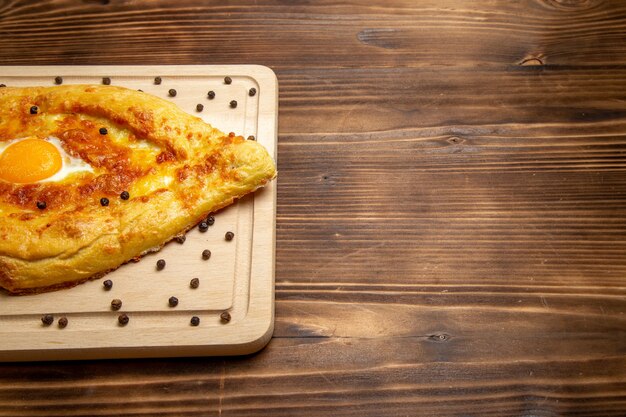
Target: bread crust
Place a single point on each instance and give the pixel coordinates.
(190, 170)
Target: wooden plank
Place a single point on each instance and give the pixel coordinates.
(384, 375)
(238, 278)
(429, 33)
(552, 107)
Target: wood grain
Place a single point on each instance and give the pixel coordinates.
(451, 230)
(316, 34)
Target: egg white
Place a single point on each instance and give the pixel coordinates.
(70, 164)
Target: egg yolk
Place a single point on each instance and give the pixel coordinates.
(29, 160)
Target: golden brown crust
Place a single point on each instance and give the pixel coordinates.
(176, 168)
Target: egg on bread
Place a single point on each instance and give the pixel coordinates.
(29, 160)
(66, 150)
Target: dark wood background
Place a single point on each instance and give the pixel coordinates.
(451, 231)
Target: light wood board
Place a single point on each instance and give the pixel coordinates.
(238, 277)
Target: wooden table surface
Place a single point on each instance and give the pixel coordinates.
(451, 230)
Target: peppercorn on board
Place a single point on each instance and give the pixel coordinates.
(209, 295)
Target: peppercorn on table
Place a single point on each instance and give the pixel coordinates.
(450, 216)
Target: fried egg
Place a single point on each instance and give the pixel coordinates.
(32, 160)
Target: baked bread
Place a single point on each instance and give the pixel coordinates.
(135, 172)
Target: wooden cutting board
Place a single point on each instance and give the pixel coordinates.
(238, 278)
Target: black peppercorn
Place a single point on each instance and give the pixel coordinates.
(41, 205)
(210, 220)
(203, 226)
(225, 317)
(181, 239)
(211, 95)
(173, 301)
(58, 80)
(123, 319)
(124, 195)
(157, 80)
(160, 264)
(195, 320)
(194, 283)
(104, 201)
(228, 80)
(229, 236)
(252, 92)
(47, 319)
(63, 322)
(116, 304)
(34, 110)
(103, 131)
(2, 85)
(172, 92)
(233, 104)
(108, 284)
(199, 107)
(251, 137)
(206, 254)
(106, 81)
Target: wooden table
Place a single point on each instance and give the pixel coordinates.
(451, 231)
